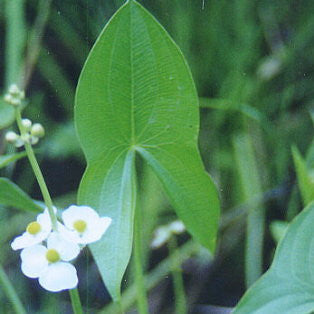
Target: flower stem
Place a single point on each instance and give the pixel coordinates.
(76, 302)
(39, 176)
(178, 285)
(10, 292)
(139, 277)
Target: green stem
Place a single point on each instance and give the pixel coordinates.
(15, 39)
(139, 276)
(76, 302)
(178, 285)
(10, 292)
(155, 276)
(39, 176)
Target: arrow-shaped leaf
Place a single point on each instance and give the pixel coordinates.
(288, 286)
(136, 94)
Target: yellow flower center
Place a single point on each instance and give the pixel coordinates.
(33, 228)
(52, 256)
(80, 226)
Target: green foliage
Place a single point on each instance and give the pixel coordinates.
(251, 189)
(12, 195)
(278, 229)
(287, 287)
(305, 177)
(136, 94)
(6, 114)
(7, 159)
(226, 104)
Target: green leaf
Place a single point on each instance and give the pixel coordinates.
(6, 114)
(288, 286)
(278, 229)
(305, 179)
(251, 188)
(109, 186)
(136, 94)
(226, 104)
(7, 159)
(12, 195)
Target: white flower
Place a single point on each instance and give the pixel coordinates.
(177, 227)
(50, 264)
(163, 233)
(36, 232)
(161, 236)
(84, 224)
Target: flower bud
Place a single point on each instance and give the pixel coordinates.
(8, 98)
(34, 140)
(37, 130)
(19, 142)
(11, 137)
(27, 124)
(14, 90)
(15, 102)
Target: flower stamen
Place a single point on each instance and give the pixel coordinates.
(33, 228)
(52, 256)
(80, 226)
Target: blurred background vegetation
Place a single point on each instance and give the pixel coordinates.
(253, 65)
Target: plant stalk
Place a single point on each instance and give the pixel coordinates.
(178, 285)
(139, 276)
(76, 302)
(39, 176)
(10, 292)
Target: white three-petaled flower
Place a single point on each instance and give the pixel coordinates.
(84, 224)
(36, 232)
(50, 264)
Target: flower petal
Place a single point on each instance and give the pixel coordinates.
(34, 261)
(59, 276)
(74, 213)
(27, 240)
(104, 223)
(96, 231)
(44, 219)
(67, 250)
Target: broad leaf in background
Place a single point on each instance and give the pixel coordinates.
(12, 195)
(305, 177)
(6, 114)
(7, 159)
(136, 94)
(288, 286)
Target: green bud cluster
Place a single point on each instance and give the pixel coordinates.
(14, 96)
(33, 133)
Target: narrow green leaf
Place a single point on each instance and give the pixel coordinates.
(6, 114)
(226, 104)
(288, 286)
(251, 188)
(136, 94)
(278, 229)
(12, 195)
(7, 159)
(305, 179)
